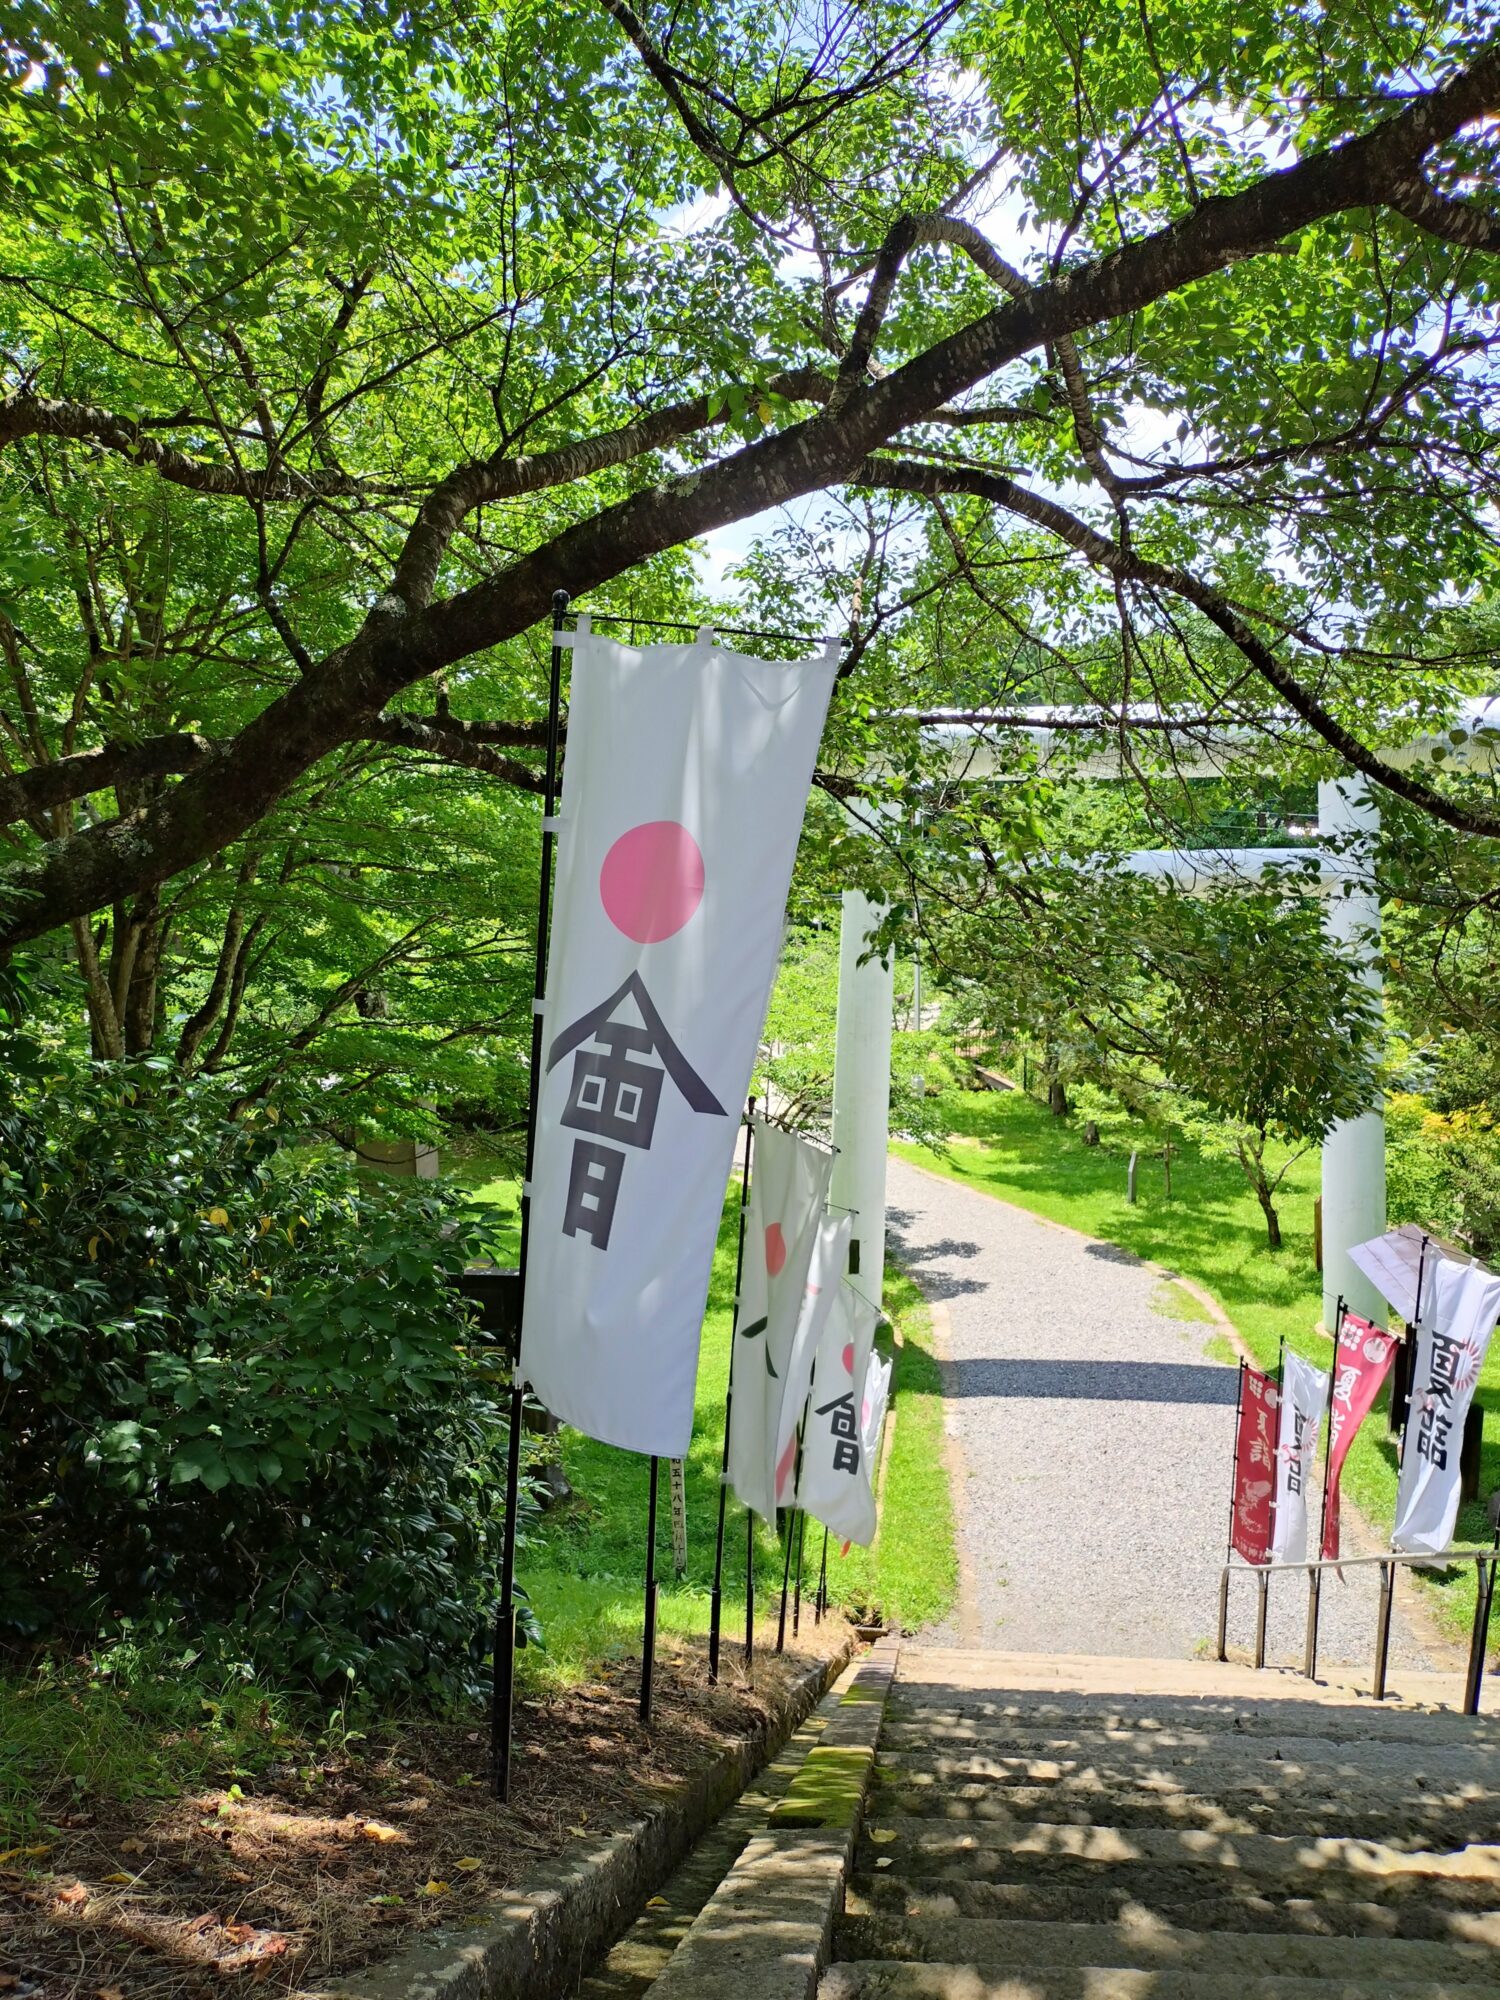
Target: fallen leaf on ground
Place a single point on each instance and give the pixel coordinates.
(132, 1846)
(433, 1887)
(22, 1853)
(657, 1903)
(110, 1993)
(469, 1863)
(376, 1829)
(117, 1877)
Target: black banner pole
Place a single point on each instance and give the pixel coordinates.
(749, 1588)
(716, 1604)
(502, 1704)
(786, 1580)
(797, 1594)
(648, 1645)
(786, 1568)
(820, 1602)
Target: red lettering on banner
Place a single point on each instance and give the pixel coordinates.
(1254, 1479)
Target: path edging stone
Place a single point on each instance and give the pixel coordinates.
(534, 1942)
(766, 1932)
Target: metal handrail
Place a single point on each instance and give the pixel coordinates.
(1486, 1562)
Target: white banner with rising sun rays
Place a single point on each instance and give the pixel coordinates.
(686, 781)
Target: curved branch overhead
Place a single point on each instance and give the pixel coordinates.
(1126, 566)
(638, 450)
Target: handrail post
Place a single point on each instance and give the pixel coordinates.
(1310, 1650)
(1383, 1627)
(1224, 1613)
(1484, 1578)
(1264, 1581)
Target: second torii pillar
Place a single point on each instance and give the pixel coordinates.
(862, 1090)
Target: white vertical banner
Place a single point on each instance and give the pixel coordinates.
(821, 1295)
(788, 1192)
(1459, 1306)
(836, 1485)
(1304, 1397)
(877, 1401)
(686, 781)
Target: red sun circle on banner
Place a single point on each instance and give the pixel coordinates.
(848, 1357)
(652, 880)
(775, 1249)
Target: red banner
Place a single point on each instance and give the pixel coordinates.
(1254, 1466)
(1361, 1362)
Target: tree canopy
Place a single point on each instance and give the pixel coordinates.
(1145, 353)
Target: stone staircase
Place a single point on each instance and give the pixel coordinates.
(1040, 1834)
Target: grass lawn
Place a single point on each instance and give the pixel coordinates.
(1211, 1230)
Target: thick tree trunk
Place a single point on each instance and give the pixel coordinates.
(1057, 1098)
(1268, 1209)
(140, 997)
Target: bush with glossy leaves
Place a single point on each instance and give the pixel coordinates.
(239, 1394)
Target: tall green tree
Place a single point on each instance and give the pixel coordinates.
(334, 343)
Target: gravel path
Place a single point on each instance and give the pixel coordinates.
(1093, 1434)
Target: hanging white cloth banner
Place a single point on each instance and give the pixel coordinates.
(1459, 1306)
(825, 1285)
(836, 1482)
(687, 777)
(1304, 1397)
(788, 1189)
(877, 1398)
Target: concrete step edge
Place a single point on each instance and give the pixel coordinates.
(880, 1979)
(1015, 1944)
(767, 1928)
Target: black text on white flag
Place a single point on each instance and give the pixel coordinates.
(686, 781)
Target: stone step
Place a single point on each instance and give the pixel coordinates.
(1108, 1896)
(1366, 1721)
(1412, 1823)
(1048, 1734)
(927, 1851)
(879, 1980)
(1384, 1772)
(952, 1674)
(1007, 1946)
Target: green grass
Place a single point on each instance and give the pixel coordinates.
(584, 1566)
(1211, 1231)
(152, 1727)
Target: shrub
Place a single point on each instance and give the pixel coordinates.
(236, 1389)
